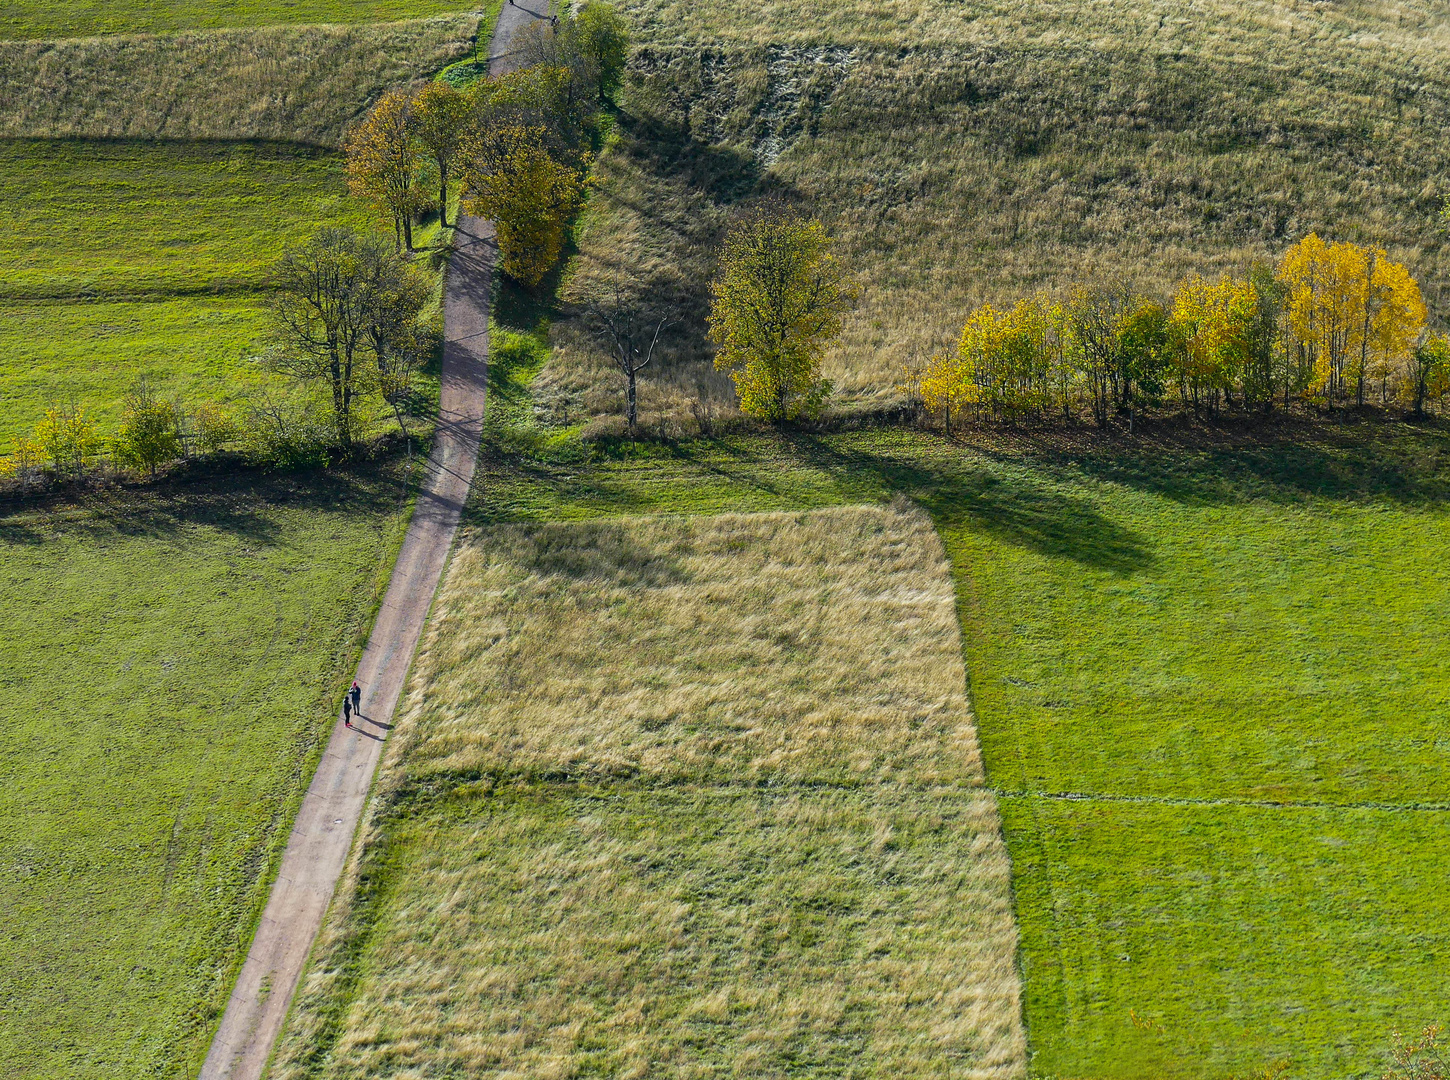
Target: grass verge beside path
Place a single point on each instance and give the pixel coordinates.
(1245, 633)
(172, 658)
(696, 795)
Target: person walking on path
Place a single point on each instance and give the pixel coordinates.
(347, 710)
(355, 693)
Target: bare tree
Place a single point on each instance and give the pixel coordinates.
(630, 331)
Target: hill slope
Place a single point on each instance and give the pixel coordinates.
(965, 153)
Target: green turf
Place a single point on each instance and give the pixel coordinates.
(100, 218)
(1210, 687)
(39, 19)
(171, 661)
(131, 258)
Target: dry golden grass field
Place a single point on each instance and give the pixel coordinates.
(287, 83)
(964, 153)
(699, 795)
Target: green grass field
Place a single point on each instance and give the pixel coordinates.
(1208, 676)
(127, 259)
(172, 658)
(37, 19)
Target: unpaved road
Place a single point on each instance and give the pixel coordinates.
(323, 832)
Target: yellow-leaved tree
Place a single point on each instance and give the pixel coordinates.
(385, 163)
(440, 119)
(775, 304)
(1350, 308)
(512, 178)
(1213, 327)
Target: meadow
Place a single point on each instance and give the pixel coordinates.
(135, 259)
(173, 657)
(1206, 669)
(964, 154)
(695, 794)
(301, 84)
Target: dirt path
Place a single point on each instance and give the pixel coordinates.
(323, 832)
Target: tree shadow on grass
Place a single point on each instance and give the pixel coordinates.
(1285, 461)
(597, 551)
(246, 505)
(1011, 507)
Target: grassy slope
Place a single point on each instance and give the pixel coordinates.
(283, 83)
(40, 19)
(173, 658)
(695, 796)
(1230, 655)
(190, 227)
(971, 152)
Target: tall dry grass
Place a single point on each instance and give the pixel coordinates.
(678, 797)
(965, 154)
(763, 648)
(289, 83)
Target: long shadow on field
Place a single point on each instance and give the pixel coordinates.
(1009, 507)
(245, 505)
(598, 551)
(1369, 461)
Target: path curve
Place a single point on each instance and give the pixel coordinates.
(322, 834)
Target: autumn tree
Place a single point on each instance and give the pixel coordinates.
(1213, 328)
(1429, 372)
(1095, 316)
(395, 295)
(1419, 1058)
(385, 163)
(150, 435)
(775, 305)
(602, 35)
(512, 178)
(67, 434)
(949, 384)
(439, 120)
(630, 330)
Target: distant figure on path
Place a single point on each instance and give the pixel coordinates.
(356, 695)
(347, 710)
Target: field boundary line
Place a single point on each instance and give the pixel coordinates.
(1249, 804)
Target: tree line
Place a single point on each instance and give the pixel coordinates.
(349, 311)
(1330, 324)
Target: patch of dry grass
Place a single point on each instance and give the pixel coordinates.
(287, 83)
(679, 797)
(768, 648)
(972, 153)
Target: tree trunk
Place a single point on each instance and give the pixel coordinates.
(442, 195)
(408, 232)
(631, 404)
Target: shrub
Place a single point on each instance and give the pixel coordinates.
(150, 435)
(67, 435)
(214, 426)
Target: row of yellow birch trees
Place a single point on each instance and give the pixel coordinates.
(1331, 323)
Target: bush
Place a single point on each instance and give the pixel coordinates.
(280, 435)
(67, 435)
(214, 427)
(150, 434)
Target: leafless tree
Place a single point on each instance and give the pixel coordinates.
(630, 331)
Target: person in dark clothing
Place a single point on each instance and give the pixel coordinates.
(347, 710)
(356, 694)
